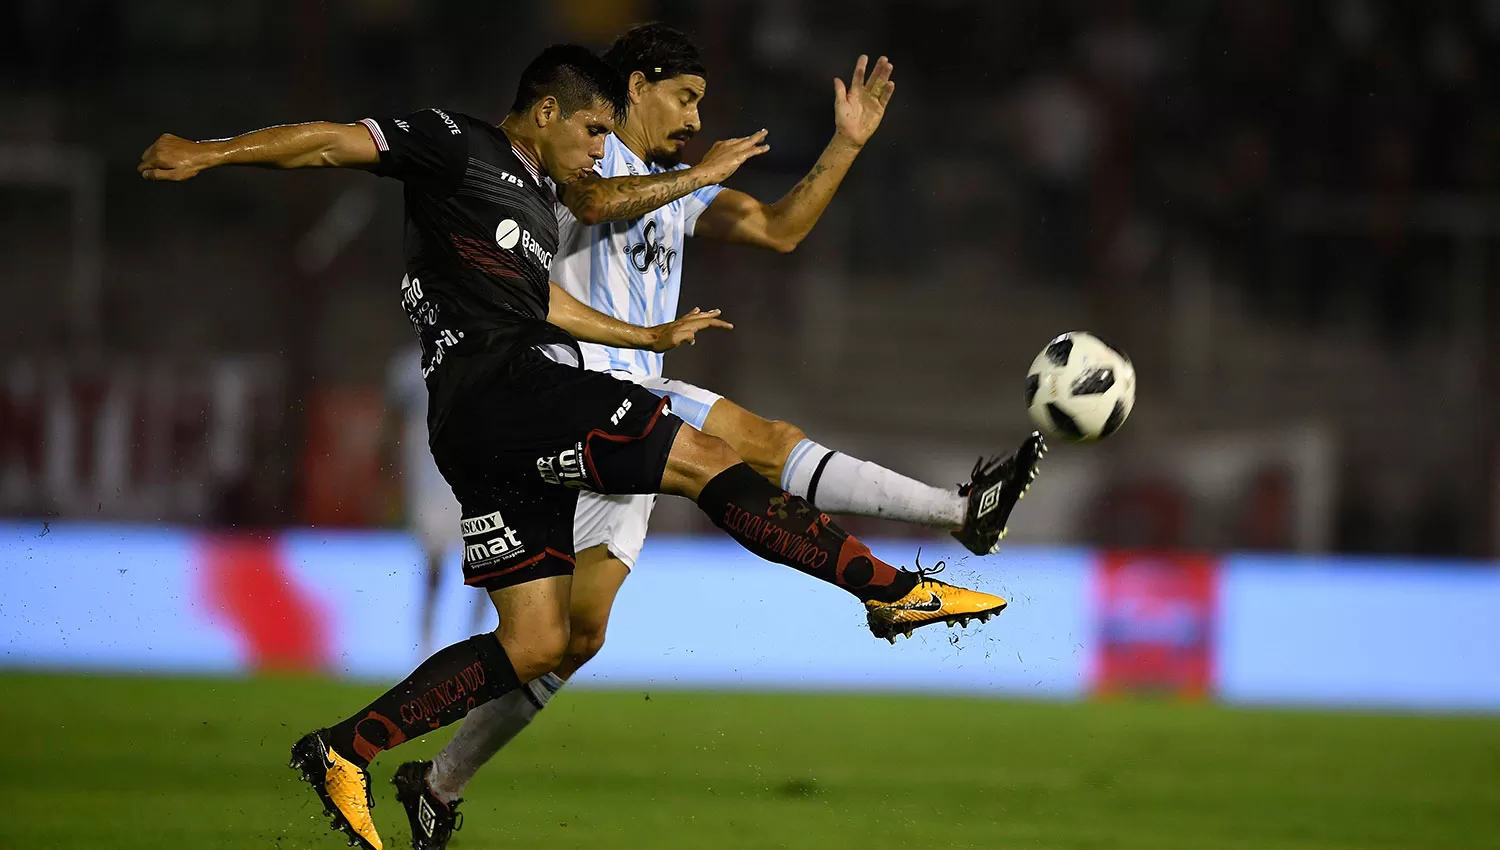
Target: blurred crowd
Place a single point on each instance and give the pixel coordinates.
(1318, 173)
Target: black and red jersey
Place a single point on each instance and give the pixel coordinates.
(480, 237)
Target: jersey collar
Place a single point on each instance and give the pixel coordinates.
(633, 164)
(526, 163)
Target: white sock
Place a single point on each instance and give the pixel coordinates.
(484, 732)
(841, 484)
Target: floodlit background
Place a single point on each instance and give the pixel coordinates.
(1285, 211)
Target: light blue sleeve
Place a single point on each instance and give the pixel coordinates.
(694, 204)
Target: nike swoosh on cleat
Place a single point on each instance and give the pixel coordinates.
(327, 754)
(933, 603)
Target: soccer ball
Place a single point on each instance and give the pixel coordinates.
(1080, 389)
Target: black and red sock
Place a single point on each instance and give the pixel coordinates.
(787, 529)
(442, 690)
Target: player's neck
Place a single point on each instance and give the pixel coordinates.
(634, 139)
(524, 143)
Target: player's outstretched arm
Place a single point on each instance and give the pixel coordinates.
(857, 111)
(596, 199)
(589, 325)
(314, 145)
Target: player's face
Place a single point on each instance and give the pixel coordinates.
(669, 115)
(573, 144)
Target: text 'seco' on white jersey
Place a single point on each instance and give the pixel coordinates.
(631, 270)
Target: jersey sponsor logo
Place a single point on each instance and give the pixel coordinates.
(475, 526)
(650, 252)
(564, 468)
(509, 233)
(488, 539)
(452, 125)
(444, 340)
(535, 249)
(620, 413)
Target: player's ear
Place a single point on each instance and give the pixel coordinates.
(546, 111)
(637, 85)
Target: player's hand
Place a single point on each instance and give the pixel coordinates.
(174, 158)
(685, 329)
(725, 157)
(858, 107)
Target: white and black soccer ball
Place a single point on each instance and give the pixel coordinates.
(1080, 389)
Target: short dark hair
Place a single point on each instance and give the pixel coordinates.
(657, 50)
(576, 77)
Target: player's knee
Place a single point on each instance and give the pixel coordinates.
(583, 644)
(538, 653)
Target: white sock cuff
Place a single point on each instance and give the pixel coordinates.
(802, 467)
(541, 690)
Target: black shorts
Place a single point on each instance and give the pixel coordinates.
(517, 451)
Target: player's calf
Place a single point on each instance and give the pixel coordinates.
(774, 524)
(766, 444)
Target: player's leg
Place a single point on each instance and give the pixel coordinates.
(788, 530)
(609, 532)
(523, 559)
(838, 482)
(834, 481)
(491, 727)
(630, 446)
(530, 642)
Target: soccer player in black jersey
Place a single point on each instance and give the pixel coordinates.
(515, 426)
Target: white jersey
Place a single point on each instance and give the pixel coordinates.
(631, 270)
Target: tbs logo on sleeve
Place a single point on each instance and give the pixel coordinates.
(487, 539)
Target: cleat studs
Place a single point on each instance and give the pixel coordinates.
(892, 639)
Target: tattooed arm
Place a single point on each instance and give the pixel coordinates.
(596, 199)
(739, 218)
(857, 111)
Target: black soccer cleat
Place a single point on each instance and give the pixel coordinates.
(433, 821)
(994, 488)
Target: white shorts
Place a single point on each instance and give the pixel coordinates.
(619, 522)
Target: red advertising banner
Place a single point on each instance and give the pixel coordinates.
(1156, 616)
(125, 440)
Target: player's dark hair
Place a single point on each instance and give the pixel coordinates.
(657, 50)
(576, 77)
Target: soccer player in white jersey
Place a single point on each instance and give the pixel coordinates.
(630, 266)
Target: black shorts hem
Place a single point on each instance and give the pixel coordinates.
(635, 464)
(548, 564)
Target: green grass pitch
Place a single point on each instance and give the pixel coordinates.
(186, 764)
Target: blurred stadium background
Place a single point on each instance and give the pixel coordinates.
(1247, 620)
